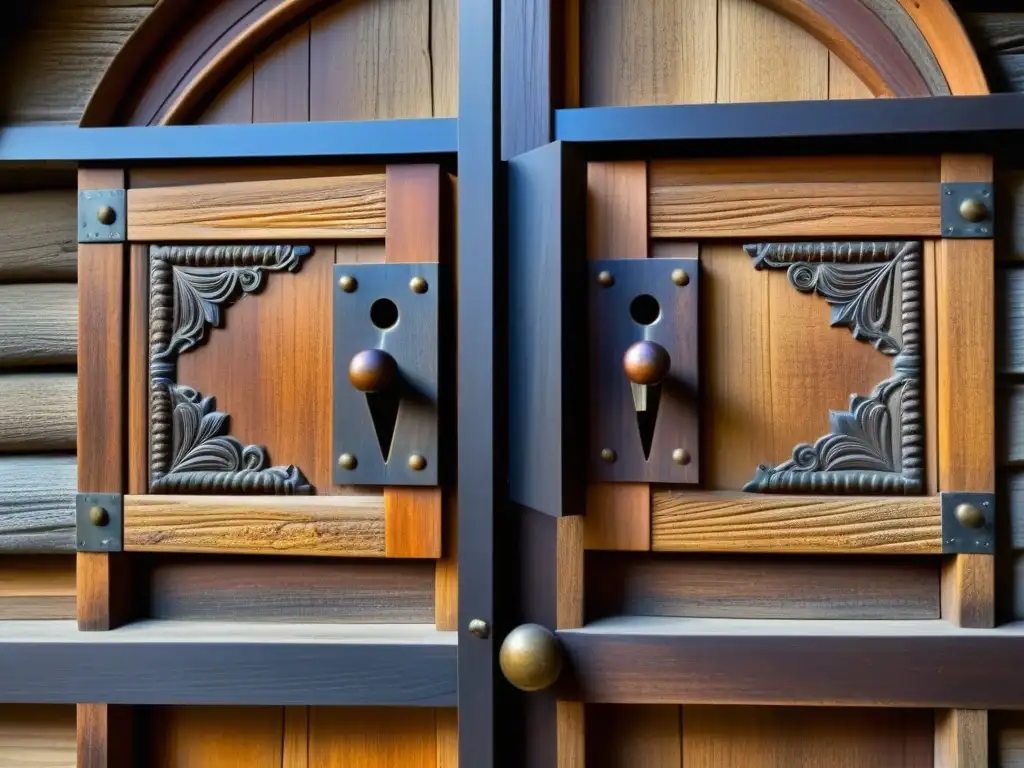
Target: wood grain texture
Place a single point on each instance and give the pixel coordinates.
(761, 587)
(337, 207)
(281, 80)
(749, 37)
(447, 738)
(376, 737)
(1010, 204)
(950, 45)
(36, 587)
(618, 515)
(843, 82)
(38, 412)
(233, 105)
(299, 590)
(569, 572)
(800, 737)
(1010, 307)
(395, 36)
(413, 515)
(348, 526)
(968, 587)
(444, 58)
(637, 52)
(104, 736)
(570, 734)
(37, 736)
(961, 738)
(1010, 412)
(138, 369)
(295, 751)
(633, 736)
(446, 570)
(1008, 738)
(103, 591)
(733, 522)
(37, 506)
(197, 737)
(37, 325)
(40, 242)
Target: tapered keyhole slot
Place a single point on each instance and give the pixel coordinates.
(384, 314)
(644, 309)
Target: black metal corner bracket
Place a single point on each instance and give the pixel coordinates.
(968, 523)
(99, 521)
(968, 210)
(102, 216)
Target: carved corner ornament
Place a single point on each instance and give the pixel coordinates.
(189, 450)
(877, 446)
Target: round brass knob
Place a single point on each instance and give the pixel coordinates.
(531, 657)
(372, 370)
(106, 215)
(973, 209)
(646, 362)
(970, 516)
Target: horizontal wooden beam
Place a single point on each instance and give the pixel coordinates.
(325, 207)
(40, 242)
(348, 526)
(834, 663)
(37, 587)
(38, 325)
(184, 662)
(744, 522)
(38, 412)
(37, 503)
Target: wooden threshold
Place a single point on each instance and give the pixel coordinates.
(333, 526)
(744, 522)
(793, 662)
(185, 662)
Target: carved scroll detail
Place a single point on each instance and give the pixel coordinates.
(877, 446)
(189, 451)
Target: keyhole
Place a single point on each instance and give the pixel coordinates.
(644, 309)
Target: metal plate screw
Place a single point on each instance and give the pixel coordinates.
(106, 215)
(608, 455)
(347, 461)
(606, 278)
(417, 463)
(98, 516)
(679, 277)
(681, 456)
(418, 285)
(348, 284)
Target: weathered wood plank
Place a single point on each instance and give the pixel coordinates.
(350, 526)
(332, 207)
(40, 243)
(38, 325)
(736, 522)
(37, 736)
(961, 738)
(38, 412)
(37, 587)
(1010, 311)
(37, 504)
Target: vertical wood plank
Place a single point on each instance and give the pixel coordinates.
(571, 61)
(138, 370)
(412, 516)
(448, 738)
(296, 738)
(965, 296)
(843, 83)
(569, 564)
(234, 103)
(570, 734)
(634, 736)
(216, 737)
(372, 737)
(446, 571)
(280, 92)
(392, 34)
(104, 736)
(765, 57)
(444, 56)
(648, 52)
(618, 514)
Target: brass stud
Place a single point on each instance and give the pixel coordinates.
(98, 516)
(106, 215)
(970, 516)
(679, 277)
(681, 456)
(973, 210)
(531, 657)
(347, 461)
(608, 455)
(348, 284)
(606, 278)
(479, 629)
(418, 285)
(417, 463)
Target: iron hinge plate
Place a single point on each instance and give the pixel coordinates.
(409, 408)
(976, 199)
(101, 530)
(102, 216)
(963, 538)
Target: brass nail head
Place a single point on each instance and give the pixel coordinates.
(347, 461)
(106, 215)
(418, 285)
(348, 284)
(479, 628)
(681, 456)
(98, 516)
(970, 516)
(973, 210)
(605, 278)
(608, 455)
(679, 277)
(417, 463)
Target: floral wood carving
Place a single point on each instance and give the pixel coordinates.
(189, 450)
(877, 446)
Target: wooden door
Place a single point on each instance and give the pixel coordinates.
(755, 477)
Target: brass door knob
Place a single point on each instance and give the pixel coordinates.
(646, 362)
(531, 657)
(372, 370)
